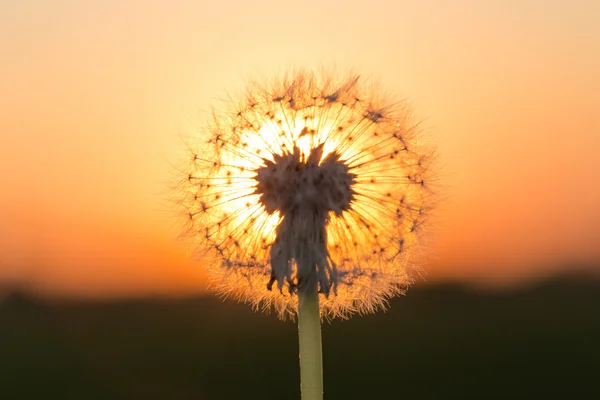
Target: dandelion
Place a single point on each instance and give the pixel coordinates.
(309, 196)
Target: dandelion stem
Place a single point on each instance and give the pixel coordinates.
(309, 333)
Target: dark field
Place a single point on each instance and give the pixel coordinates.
(437, 342)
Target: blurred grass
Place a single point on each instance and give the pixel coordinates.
(438, 342)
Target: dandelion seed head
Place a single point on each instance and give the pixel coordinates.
(309, 182)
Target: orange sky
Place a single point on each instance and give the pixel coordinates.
(95, 95)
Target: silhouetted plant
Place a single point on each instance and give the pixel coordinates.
(309, 187)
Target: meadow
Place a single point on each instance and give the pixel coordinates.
(440, 341)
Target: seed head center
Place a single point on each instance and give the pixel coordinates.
(294, 183)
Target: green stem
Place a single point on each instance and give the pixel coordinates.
(309, 335)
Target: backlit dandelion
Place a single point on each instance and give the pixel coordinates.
(309, 190)
(309, 181)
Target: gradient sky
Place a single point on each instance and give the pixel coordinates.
(95, 95)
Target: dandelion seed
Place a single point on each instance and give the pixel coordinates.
(309, 183)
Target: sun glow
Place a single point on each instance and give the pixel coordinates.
(276, 135)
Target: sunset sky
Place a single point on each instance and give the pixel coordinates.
(96, 95)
